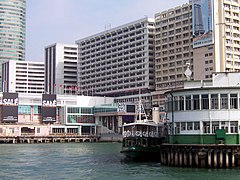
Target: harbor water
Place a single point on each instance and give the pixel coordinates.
(90, 161)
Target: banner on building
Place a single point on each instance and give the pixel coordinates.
(10, 107)
(202, 15)
(49, 108)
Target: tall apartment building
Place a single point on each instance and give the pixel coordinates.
(173, 49)
(227, 35)
(118, 62)
(223, 54)
(23, 77)
(12, 30)
(61, 69)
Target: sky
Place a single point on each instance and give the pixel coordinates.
(66, 21)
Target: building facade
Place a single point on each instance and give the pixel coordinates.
(227, 35)
(205, 112)
(12, 30)
(23, 77)
(118, 62)
(173, 49)
(45, 114)
(61, 69)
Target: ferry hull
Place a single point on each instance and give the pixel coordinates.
(142, 153)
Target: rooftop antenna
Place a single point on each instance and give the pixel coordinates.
(188, 72)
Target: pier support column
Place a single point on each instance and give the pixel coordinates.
(169, 158)
(180, 158)
(176, 158)
(233, 159)
(227, 159)
(221, 159)
(185, 158)
(190, 158)
(196, 159)
(172, 158)
(209, 158)
(215, 158)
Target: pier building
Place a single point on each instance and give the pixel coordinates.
(58, 116)
(204, 123)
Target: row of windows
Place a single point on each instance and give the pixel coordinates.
(208, 127)
(117, 32)
(204, 102)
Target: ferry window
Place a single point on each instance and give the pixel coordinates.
(214, 101)
(196, 102)
(183, 126)
(188, 103)
(206, 127)
(181, 103)
(189, 125)
(224, 101)
(196, 126)
(233, 101)
(205, 101)
(215, 126)
(233, 126)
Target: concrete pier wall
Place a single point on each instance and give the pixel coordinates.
(210, 156)
(30, 139)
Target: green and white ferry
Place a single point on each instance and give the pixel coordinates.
(143, 138)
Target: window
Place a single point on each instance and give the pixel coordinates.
(233, 101)
(189, 126)
(206, 127)
(205, 101)
(215, 126)
(233, 127)
(188, 103)
(181, 103)
(196, 102)
(224, 101)
(214, 101)
(196, 126)
(183, 126)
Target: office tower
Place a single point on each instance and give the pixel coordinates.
(118, 62)
(173, 50)
(23, 77)
(61, 69)
(12, 30)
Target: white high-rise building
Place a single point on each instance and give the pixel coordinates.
(61, 69)
(118, 62)
(23, 77)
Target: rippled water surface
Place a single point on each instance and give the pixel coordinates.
(89, 161)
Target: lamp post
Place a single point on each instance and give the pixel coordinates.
(172, 127)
